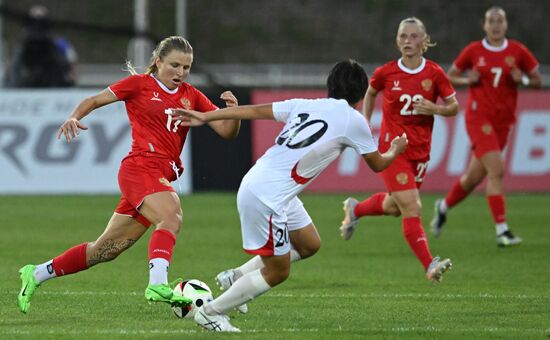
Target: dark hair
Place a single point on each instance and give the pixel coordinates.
(162, 50)
(347, 80)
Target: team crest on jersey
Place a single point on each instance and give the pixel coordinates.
(426, 84)
(396, 86)
(402, 178)
(510, 61)
(164, 181)
(186, 103)
(156, 97)
(481, 61)
(487, 129)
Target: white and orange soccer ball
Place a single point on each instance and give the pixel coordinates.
(195, 290)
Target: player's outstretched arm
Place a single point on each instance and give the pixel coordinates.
(227, 129)
(246, 112)
(72, 126)
(378, 162)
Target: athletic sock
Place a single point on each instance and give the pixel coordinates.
(497, 207)
(248, 287)
(257, 263)
(71, 261)
(372, 206)
(44, 271)
(455, 195)
(443, 207)
(161, 247)
(414, 234)
(501, 228)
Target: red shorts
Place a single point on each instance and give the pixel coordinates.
(486, 136)
(138, 177)
(404, 174)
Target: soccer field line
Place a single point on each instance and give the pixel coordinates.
(328, 295)
(339, 329)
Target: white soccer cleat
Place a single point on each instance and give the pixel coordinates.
(438, 220)
(350, 221)
(216, 323)
(225, 280)
(507, 239)
(437, 268)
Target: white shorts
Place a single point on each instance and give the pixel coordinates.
(264, 231)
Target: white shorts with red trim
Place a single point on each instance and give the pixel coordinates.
(265, 231)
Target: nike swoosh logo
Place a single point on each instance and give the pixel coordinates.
(24, 290)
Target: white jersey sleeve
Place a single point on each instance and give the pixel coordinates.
(360, 135)
(281, 110)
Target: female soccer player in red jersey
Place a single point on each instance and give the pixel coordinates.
(145, 173)
(410, 87)
(496, 66)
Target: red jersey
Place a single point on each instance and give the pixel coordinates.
(153, 131)
(401, 87)
(496, 92)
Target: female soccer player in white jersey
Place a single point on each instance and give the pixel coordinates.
(410, 87)
(275, 226)
(145, 173)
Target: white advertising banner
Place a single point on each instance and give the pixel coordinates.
(34, 161)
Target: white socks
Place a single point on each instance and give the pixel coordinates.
(44, 271)
(158, 271)
(248, 287)
(501, 227)
(443, 206)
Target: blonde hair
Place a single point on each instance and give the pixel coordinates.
(419, 23)
(166, 46)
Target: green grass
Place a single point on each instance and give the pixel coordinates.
(370, 286)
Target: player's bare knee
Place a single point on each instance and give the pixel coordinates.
(310, 249)
(393, 211)
(171, 223)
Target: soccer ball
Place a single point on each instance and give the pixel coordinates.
(195, 290)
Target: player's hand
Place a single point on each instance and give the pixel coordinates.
(70, 129)
(425, 107)
(229, 98)
(399, 143)
(473, 77)
(516, 74)
(188, 117)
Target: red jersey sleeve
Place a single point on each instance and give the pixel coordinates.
(528, 62)
(464, 60)
(202, 103)
(444, 87)
(377, 79)
(127, 87)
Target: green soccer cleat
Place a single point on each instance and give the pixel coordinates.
(28, 286)
(163, 293)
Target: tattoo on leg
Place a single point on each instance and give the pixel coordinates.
(109, 250)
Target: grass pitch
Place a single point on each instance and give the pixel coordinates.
(368, 287)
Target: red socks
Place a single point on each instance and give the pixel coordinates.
(71, 261)
(371, 206)
(161, 244)
(456, 195)
(414, 234)
(497, 207)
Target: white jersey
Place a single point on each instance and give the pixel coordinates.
(316, 132)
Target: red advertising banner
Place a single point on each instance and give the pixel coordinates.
(527, 157)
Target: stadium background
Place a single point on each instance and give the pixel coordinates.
(263, 51)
